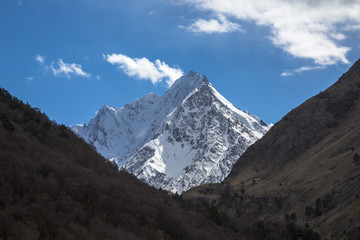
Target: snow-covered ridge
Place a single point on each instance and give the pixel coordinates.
(189, 136)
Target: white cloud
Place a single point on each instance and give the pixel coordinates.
(40, 59)
(308, 68)
(309, 29)
(286, 73)
(143, 68)
(169, 73)
(220, 25)
(352, 27)
(338, 36)
(61, 68)
(301, 69)
(68, 69)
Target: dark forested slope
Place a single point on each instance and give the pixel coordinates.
(55, 186)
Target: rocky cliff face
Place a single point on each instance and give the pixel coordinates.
(189, 136)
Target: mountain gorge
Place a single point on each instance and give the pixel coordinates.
(189, 136)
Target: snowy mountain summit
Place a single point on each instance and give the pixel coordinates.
(189, 136)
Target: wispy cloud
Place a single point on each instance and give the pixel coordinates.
(287, 73)
(352, 27)
(153, 12)
(220, 25)
(143, 68)
(67, 69)
(308, 68)
(40, 59)
(301, 69)
(306, 29)
(29, 79)
(61, 68)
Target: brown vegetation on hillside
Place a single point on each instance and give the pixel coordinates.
(307, 166)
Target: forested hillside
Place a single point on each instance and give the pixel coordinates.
(53, 185)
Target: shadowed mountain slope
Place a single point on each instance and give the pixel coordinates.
(53, 185)
(306, 125)
(306, 169)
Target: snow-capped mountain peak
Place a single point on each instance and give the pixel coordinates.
(189, 136)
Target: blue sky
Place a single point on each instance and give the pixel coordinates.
(265, 56)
